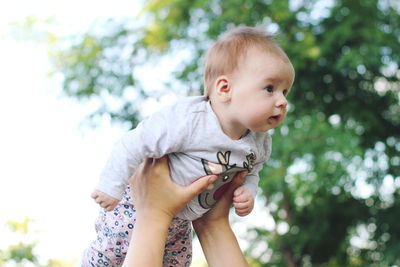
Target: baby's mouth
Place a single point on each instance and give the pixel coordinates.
(275, 118)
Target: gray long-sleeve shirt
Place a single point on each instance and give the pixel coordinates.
(190, 134)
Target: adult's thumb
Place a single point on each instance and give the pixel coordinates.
(200, 185)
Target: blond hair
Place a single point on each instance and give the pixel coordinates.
(223, 56)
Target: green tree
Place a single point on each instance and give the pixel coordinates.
(334, 175)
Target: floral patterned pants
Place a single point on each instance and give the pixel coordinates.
(114, 231)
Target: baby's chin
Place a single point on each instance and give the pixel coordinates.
(265, 128)
(261, 130)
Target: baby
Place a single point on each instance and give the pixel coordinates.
(247, 78)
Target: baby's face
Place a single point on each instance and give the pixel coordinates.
(260, 86)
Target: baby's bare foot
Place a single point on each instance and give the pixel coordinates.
(105, 201)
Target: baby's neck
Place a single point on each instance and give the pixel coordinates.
(228, 126)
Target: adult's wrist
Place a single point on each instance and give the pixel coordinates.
(210, 226)
(154, 216)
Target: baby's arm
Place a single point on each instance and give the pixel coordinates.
(105, 201)
(120, 165)
(152, 138)
(243, 197)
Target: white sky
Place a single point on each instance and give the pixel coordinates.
(48, 164)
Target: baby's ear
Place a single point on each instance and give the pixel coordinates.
(223, 88)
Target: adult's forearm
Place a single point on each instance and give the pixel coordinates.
(147, 244)
(220, 245)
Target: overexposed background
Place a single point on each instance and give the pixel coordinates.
(49, 163)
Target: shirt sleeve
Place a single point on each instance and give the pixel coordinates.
(252, 179)
(152, 138)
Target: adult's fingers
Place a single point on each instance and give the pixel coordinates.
(199, 185)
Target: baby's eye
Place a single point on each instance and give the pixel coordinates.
(285, 92)
(269, 88)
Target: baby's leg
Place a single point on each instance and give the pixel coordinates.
(178, 248)
(114, 231)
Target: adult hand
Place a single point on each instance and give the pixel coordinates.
(154, 192)
(157, 200)
(220, 212)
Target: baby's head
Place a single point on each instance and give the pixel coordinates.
(224, 56)
(249, 75)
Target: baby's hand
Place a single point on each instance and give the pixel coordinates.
(243, 201)
(104, 200)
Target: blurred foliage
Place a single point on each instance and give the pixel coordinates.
(21, 252)
(333, 181)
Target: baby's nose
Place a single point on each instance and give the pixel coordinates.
(282, 102)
